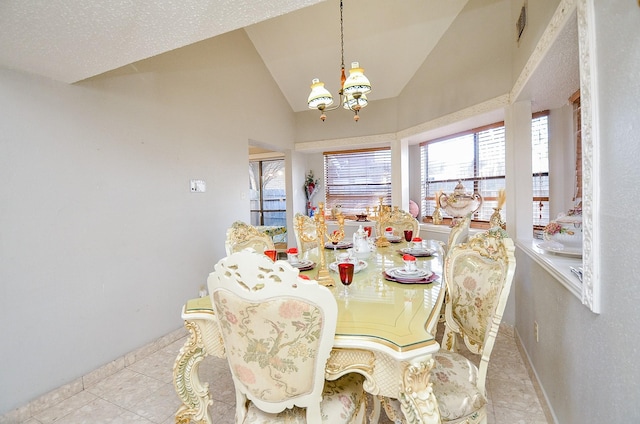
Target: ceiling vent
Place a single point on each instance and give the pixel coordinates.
(522, 21)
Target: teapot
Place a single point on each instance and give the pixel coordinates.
(361, 246)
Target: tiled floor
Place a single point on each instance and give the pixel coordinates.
(143, 393)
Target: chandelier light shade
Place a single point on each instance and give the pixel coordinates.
(352, 91)
(319, 97)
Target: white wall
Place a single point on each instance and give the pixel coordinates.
(588, 363)
(101, 241)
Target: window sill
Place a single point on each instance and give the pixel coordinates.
(556, 265)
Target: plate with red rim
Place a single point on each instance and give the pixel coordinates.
(418, 252)
(304, 265)
(392, 275)
(341, 245)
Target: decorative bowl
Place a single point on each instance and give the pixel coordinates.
(566, 230)
(361, 217)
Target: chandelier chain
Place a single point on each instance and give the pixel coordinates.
(341, 37)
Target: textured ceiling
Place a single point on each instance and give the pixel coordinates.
(71, 40)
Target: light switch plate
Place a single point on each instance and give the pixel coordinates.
(198, 186)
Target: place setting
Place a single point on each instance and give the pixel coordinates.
(296, 262)
(410, 273)
(416, 247)
(358, 264)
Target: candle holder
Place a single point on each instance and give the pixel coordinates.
(382, 215)
(323, 277)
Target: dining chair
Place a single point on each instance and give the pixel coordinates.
(459, 233)
(399, 220)
(478, 275)
(242, 235)
(278, 330)
(306, 233)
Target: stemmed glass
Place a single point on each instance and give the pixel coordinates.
(346, 276)
(408, 235)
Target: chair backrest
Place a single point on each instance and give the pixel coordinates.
(460, 232)
(399, 220)
(277, 329)
(306, 232)
(241, 236)
(478, 275)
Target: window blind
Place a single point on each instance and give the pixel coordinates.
(356, 180)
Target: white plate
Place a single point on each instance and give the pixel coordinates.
(560, 249)
(333, 266)
(401, 273)
(417, 251)
(303, 264)
(393, 239)
(341, 245)
(398, 274)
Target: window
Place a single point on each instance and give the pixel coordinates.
(356, 180)
(268, 194)
(475, 157)
(540, 168)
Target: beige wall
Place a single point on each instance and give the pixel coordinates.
(101, 240)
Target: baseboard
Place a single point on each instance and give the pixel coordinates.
(542, 394)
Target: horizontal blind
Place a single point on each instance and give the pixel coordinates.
(356, 180)
(476, 157)
(540, 168)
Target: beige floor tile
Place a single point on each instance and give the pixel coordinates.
(64, 408)
(96, 412)
(155, 366)
(125, 385)
(512, 416)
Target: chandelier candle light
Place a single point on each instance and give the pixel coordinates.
(352, 91)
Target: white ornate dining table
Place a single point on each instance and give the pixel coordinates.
(385, 331)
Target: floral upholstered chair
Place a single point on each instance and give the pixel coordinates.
(241, 236)
(478, 275)
(306, 233)
(399, 220)
(278, 332)
(459, 233)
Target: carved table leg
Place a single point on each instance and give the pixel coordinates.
(417, 400)
(193, 393)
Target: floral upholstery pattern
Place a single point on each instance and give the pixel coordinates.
(478, 275)
(278, 331)
(454, 380)
(342, 399)
(474, 294)
(266, 354)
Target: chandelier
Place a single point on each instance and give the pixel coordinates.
(352, 91)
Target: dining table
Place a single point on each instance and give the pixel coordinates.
(385, 330)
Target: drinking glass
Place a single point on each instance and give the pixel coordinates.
(368, 231)
(408, 235)
(346, 276)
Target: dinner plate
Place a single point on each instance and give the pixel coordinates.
(416, 251)
(304, 265)
(393, 239)
(560, 249)
(400, 272)
(333, 266)
(341, 245)
(430, 278)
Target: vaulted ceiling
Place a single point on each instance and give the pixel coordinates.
(71, 40)
(298, 39)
